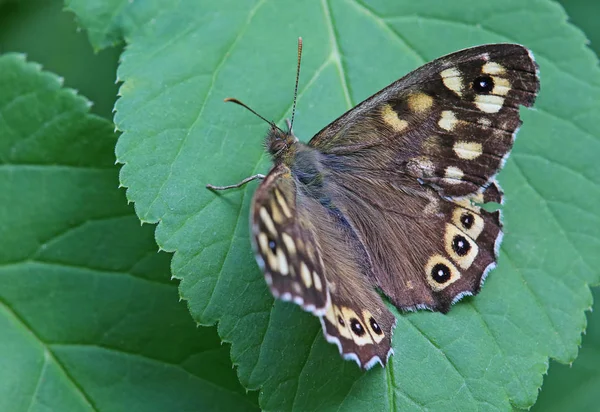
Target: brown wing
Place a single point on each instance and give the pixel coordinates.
(285, 245)
(424, 251)
(410, 166)
(450, 124)
(310, 255)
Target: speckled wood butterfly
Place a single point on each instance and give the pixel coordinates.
(388, 197)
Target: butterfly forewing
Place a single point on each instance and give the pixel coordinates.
(285, 247)
(450, 124)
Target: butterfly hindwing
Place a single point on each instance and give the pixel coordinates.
(425, 250)
(360, 325)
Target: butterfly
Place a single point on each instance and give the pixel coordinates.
(387, 199)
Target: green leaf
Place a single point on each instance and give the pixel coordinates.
(89, 317)
(109, 21)
(582, 13)
(575, 387)
(490, 351)
(42, 30)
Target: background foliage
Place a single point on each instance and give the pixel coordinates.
(89, 317)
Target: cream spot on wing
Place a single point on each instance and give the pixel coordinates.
(440, 273)
(453, 80)
(489, 103)
(330, 314)
(448, 120)
(340, 323)
(467, 150)
(433, 206)
(467, 204)
(264, 216)
(391, 118)
(318, 283)
(426, 166)
(283, 204)
(289, 243)
(421, 166)
(419, 102)
(305, 275)
(501, 86)
(283, 263)
(272, 260)
(493, 68)
(275, 212)
(297, 288)
(484, 122)
(459, 247)
(478, 198)
(263, 241)
(453, 174)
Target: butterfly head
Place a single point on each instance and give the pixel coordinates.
(279, 142)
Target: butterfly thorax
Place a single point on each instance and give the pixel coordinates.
(303, 160)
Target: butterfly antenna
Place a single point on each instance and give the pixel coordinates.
(236, 101)
(297, 77)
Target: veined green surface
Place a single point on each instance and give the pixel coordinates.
(490, 352)
(89, 318)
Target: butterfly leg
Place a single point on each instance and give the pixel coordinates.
(240, 184)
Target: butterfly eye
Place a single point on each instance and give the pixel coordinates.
(467, 220)
(483, 84)
(460, 245)
(357, 327)
(375, 326)
(440, 273)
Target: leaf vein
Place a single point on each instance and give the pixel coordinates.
(78, 388)
(444, 355)
(335, 52)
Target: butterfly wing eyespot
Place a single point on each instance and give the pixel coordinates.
(362, 339)
(483, 84)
